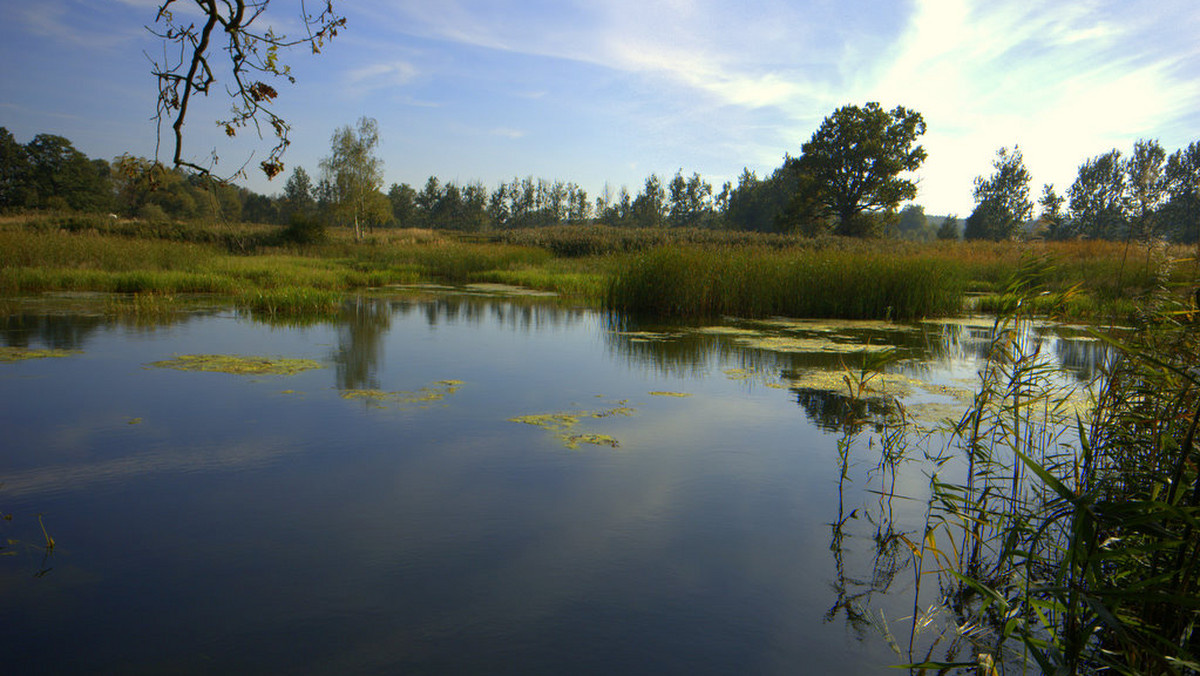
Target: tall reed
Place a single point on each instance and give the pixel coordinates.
(1072, 536)
(692, 282)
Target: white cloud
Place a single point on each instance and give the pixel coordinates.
(1064, 82)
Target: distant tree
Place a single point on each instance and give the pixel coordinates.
(14, 171)
(855, 159)
(649, 207)
(1145, 188)
(804, 212)
(1096, 207)
(948, 230)
(427, 200)
(690, 200)
(353, 170)
(1002, 202)
(913, 222)
(228, 27)
(55, 170)
(1052, 219)
(404, 204)
(766, 205)
(579, 209)
(1182, 208)
(258, 208)
(474, 216)
(298, 194)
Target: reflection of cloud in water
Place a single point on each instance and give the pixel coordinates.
(64, 478)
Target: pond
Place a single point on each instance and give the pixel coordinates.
(461, 483)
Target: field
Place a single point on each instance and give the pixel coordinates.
(667, 273)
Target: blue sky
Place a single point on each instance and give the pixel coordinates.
(596, 92)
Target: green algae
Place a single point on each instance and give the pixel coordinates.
(887, 385)
(237, 364)
(806, 336)
(670, 394)
(12, 354)
(562, 422)
(648, 336)
(437, 391)
(572, 441)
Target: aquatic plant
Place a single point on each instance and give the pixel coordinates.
(562, 423)
(224, 363)
(693, 282)
(11, 354)
(1070, 539)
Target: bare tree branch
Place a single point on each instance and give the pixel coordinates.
(252, 55)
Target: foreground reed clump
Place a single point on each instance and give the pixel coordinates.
(693, 282)
(1068, 539)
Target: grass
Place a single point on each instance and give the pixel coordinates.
(685, 273)
(1058, 540)
(694, 282)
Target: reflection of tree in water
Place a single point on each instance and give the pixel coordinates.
(526, 314)
(836, 412)
(364, 323)
(59, 332)
(1084, 358)
(361, 329)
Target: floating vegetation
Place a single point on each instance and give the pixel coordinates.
(888, 385)
(134, 421)
(563, 422)
(495, 289)
(774, 342)
(9, 354)
(437, 391)
(572, 441)
(647, 336)
(739, 374)
(834, 325)
(224, 363)
(670, 394)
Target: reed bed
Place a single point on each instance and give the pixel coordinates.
(695, 282)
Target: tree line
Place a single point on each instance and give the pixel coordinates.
(850, 179)
(1145, 195)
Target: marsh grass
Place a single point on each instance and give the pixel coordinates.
(1065, 540)
(696, 282)
(670, 272)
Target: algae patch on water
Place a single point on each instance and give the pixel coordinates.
(436, 391)
(564, 421)
(11, 354)
(670, 394)
(242, 365)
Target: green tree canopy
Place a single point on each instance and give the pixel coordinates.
(1002, 202)
(354, 173)
(855, 159)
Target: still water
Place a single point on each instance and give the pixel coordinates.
(386, 514)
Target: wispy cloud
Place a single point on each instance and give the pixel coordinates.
(508, 133)
(1063, 81)
(382, 75)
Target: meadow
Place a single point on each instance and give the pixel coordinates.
(670, 273)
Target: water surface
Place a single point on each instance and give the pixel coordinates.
(219, 523)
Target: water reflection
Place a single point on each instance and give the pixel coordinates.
(361, 328)
(59, 332)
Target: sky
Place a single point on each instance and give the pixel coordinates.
(608, 92)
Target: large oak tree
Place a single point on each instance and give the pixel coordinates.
(855, 160)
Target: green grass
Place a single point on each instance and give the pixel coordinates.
(693, 282)
(672, 273)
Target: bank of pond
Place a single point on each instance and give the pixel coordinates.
(684, 273)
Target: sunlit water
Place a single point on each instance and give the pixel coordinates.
(219, 523)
